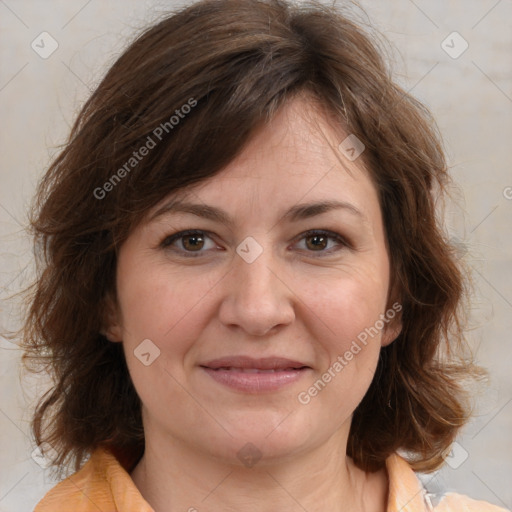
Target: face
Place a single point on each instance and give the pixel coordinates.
(264, 324)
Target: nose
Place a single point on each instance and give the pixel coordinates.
(256, 297)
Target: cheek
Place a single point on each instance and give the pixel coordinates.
(156, 301)
(168, 308)
(343, 319)
(346, 303)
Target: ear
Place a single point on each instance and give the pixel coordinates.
(391, 332)
(111, 329)
(393, 326)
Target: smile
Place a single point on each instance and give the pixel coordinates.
(255, 370)
(256, 380)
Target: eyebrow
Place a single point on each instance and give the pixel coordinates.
(294, 214)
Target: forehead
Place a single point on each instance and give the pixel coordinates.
(294, 157)
(299, 135)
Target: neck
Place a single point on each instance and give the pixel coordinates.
(173, 476)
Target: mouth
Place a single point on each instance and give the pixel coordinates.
(255, 375)
(255, 370)
(250, 363)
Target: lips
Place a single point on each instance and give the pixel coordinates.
(254, 370)
(249, 375)
(250, 365)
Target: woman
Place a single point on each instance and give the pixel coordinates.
(244, 297)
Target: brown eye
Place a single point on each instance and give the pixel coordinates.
(323, 242)
(192, 242)
(317, 242)
(188, 243)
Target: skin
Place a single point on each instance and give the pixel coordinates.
(295, 300)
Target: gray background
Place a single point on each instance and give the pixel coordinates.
(470, 96)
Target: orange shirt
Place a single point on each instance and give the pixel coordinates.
(104, 485)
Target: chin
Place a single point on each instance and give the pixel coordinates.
(262, 443)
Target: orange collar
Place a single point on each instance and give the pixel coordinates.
(103, 484)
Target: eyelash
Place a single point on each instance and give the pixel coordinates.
(168, 240)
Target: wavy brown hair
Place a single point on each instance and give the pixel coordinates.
(237, 62)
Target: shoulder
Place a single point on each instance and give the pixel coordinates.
(101, 484)
(453, 502)
(408, 492)
(81, 490)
